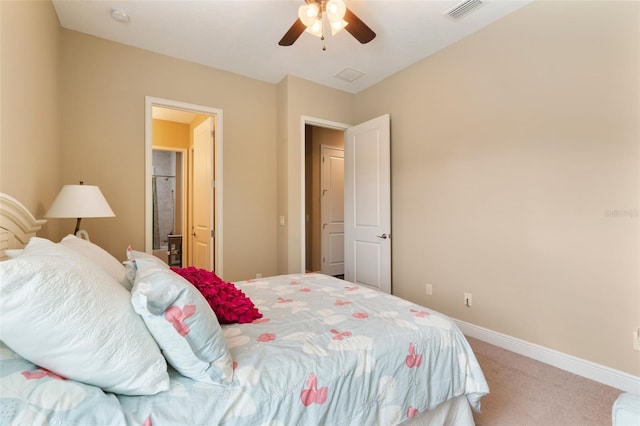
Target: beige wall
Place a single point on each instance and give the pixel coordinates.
(282, 91)
(30, 138)
(102, 112)
(512, 151)
(298, 98)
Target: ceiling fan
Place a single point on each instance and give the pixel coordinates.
(311, 18)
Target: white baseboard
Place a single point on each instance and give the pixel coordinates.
(590, 370)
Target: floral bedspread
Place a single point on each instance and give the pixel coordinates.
(326, 352)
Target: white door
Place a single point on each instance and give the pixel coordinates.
(368, 204)
(332, 210)
(202, 195)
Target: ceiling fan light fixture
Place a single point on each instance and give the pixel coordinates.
(308, 14)
(338, 16)
(336, 10)
(337, 26)
(316, 28)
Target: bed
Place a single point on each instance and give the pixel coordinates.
(319, 351)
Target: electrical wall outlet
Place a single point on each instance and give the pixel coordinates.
(636, 339)
(468, 300)
(428, 289)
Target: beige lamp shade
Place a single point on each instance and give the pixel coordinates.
(79, 201)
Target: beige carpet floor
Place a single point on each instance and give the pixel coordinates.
(525, 392)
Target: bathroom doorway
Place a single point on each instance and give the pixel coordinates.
(168, 188)
(165, 124)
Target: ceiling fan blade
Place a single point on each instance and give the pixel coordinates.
(357, 28)
(292, 35)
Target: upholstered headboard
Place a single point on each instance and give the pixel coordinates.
(17, 224)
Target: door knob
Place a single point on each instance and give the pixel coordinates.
(383, 236)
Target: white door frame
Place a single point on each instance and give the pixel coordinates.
(150, 102)
(318, 122)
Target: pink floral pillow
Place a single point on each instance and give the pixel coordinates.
(228, 302)
(180, 320)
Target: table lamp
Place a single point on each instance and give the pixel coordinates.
(79, 201)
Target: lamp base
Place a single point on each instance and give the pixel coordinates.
(75, 231)
(81, 233)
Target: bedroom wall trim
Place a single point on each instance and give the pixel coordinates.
(581, 367)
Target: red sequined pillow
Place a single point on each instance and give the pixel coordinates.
(229, 303)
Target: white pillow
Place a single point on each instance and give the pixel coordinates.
(61, 312)
(13, 252)
(106, 261)
(181, 321)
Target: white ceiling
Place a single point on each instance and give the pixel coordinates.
(242, 36)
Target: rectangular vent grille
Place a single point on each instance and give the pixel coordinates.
(461, 10)
(349, 74)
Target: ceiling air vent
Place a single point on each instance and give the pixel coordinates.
(349, 74)
(461, 10)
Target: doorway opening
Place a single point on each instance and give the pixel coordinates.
(322, 246)
(168, 186)
(193, 173)
(367, 204)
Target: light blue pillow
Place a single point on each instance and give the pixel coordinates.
(142, 258)
(61, 311)
(181, 321)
